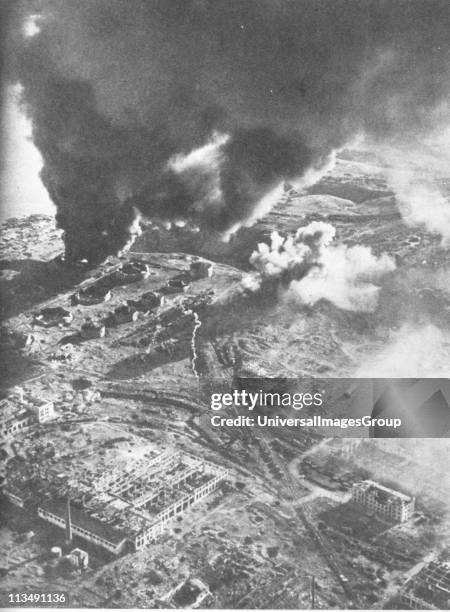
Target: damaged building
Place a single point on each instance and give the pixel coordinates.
(130, 506)
(429, 589)
(384, 501)
(18, 417)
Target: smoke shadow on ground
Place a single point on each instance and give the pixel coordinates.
(15, 368)
(356, 193)
(28, 282)
(218, 320)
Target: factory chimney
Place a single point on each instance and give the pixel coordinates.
(312, 592)
(68, 523)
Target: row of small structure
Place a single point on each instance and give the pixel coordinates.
(128, 312)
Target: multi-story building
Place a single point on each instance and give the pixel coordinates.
(18, 417)
(43, 410)
(384, 501)
(17, 493)
(10, 426)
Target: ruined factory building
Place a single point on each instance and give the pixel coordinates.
(132, 506)
(83, 525)
(430, 588)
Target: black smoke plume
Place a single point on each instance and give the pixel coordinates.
(199, 109)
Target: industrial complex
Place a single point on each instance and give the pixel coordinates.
(118, 489)
(117, 503)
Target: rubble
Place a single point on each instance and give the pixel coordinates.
(79, 558)
(430, 588)
(192, 593)
(104, 414)
(117, 501)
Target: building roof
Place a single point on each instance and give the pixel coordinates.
(20, 415)
(371, 484)
(37, 402)
(432, 584)
(19, 488)
(437, 575)
(80, 518)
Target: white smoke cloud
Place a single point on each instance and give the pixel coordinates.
(263, 207)
(418, 178)
(311, 176)
(200, 170)
(251, 282)
(345, 278)
(317, 269)
(287, 254)
(31, 25)
(413, 352)
(421, 202)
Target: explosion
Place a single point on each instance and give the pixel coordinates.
(198, 111)
(313, 268)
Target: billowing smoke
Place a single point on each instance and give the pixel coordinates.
(313, 268)
(422, 203)
(419, 180)
(413, 351)
(199, 110)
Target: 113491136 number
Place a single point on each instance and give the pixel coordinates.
(37, 598)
